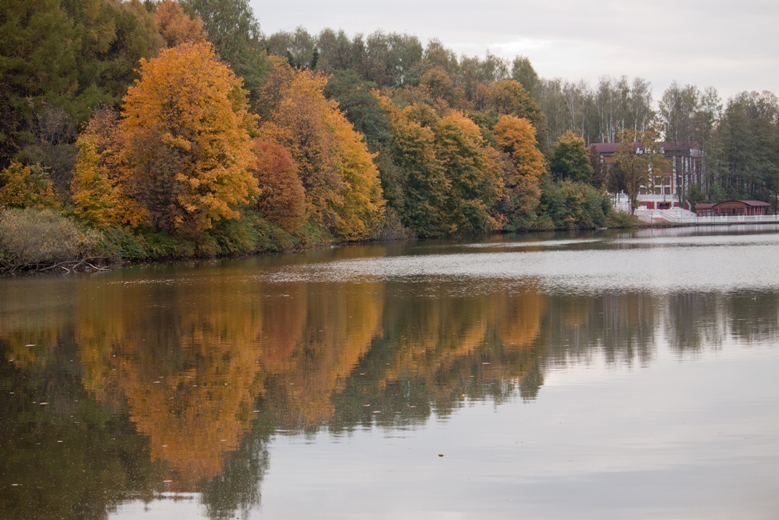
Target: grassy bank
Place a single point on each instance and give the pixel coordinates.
(45, 240)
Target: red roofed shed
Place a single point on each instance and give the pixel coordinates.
(732, 207)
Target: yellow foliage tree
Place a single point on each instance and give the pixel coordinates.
(439, 85)
(187, 150)
(473, 170)
(93, 195)
(95, 188)
(343, 192)
(26, 187)
(362, 205)
(517, 138)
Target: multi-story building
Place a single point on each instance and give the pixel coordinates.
(669, 188)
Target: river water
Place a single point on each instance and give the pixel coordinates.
(593, 375)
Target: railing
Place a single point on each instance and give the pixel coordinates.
(731, 219)
(675, 216)
(652, 197)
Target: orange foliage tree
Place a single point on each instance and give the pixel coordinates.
(517, 138)
(282, 200)
(175, 26)
(96, 188)
(187, 149)
(343, 192)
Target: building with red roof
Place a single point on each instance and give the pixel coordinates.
(732, 208)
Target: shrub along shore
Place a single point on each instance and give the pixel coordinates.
(43, 240)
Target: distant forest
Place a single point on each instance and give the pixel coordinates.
(168, 129)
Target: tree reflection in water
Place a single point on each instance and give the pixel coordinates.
(175, 381)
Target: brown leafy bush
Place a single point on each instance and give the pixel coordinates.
(33, 238)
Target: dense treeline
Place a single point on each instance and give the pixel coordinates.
(167, 129)
(739, 137)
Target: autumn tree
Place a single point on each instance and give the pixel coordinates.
(187, 149)
(570, 159)
(282, 199)
(414, 181)
(481, 97)
(362, 207)
(97, 192)
(473, 170)
(175, 25)
(343, 192)
(26, 187)
(439, 84)
(516, 137)
(510, 98)
(93, 195)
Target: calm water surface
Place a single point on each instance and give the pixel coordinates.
(602, 375)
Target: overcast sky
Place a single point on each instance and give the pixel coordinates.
(731, 45)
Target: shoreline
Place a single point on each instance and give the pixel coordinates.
(93, 264)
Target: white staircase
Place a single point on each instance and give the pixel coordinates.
(677, 215)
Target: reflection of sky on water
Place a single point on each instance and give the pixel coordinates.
(533, 243)
(672, 441)
(700, 263)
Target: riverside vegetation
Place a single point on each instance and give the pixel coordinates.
(158, 130)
